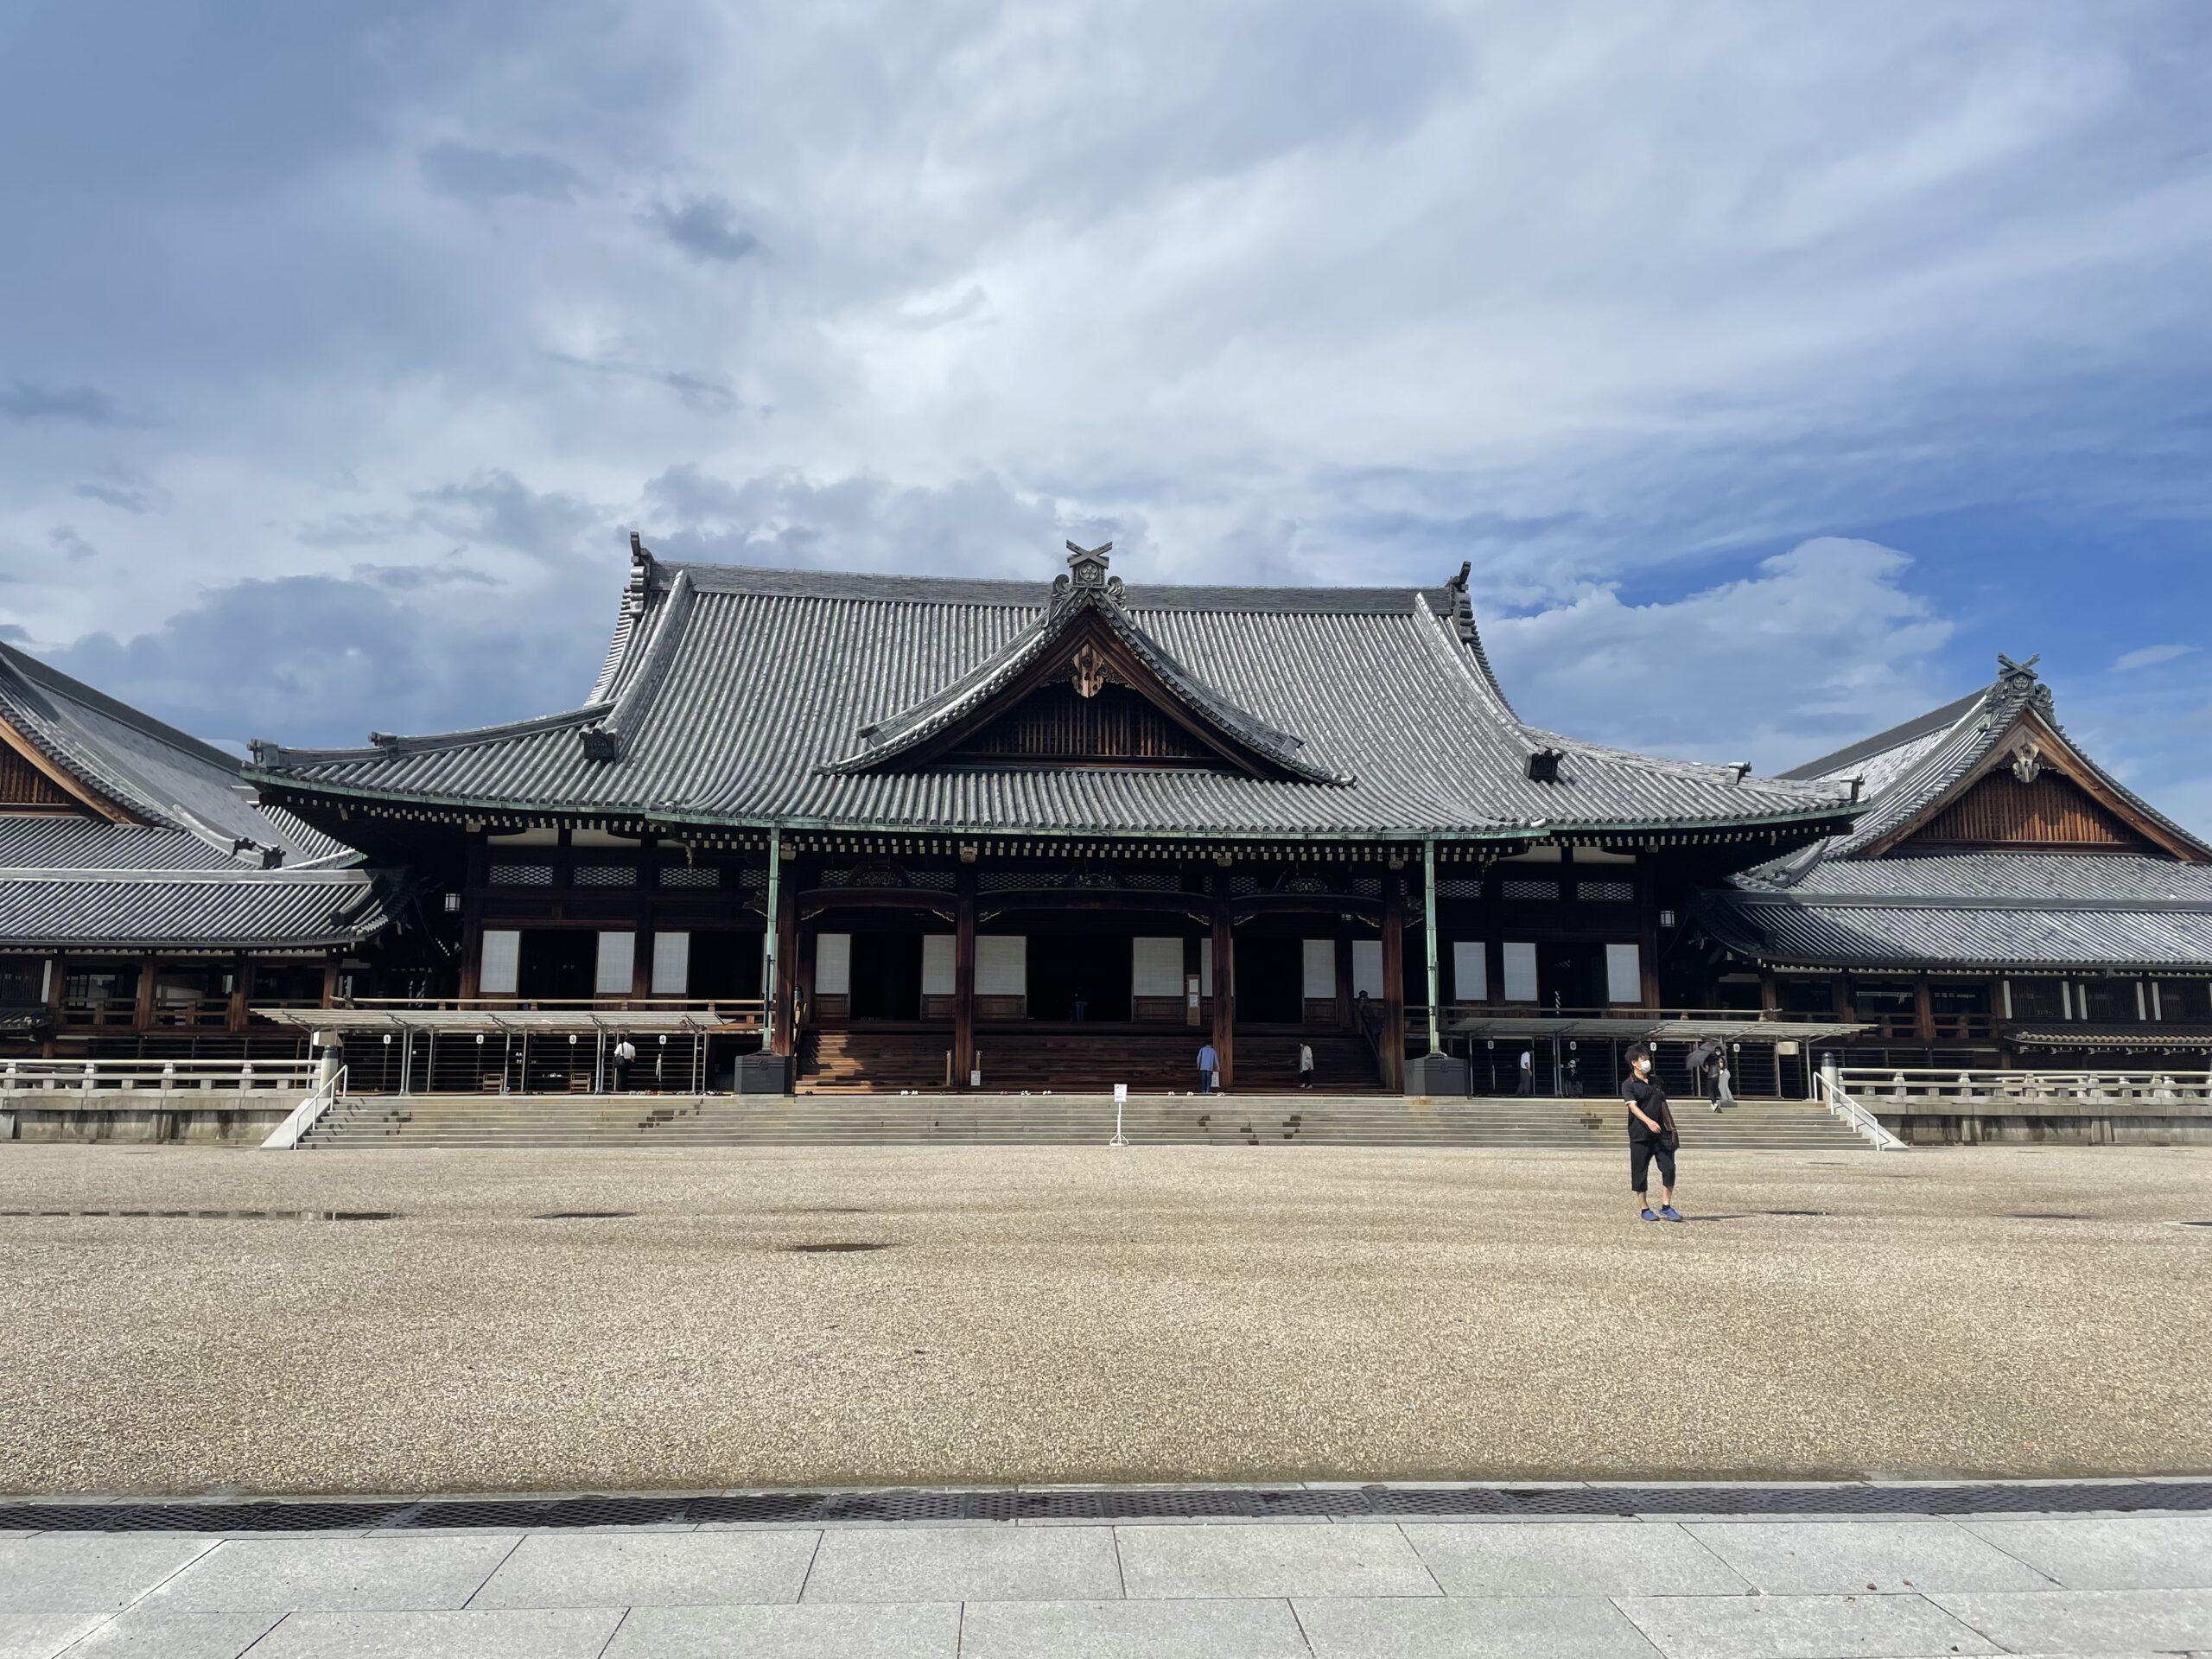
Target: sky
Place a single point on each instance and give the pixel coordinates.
(1775, 365)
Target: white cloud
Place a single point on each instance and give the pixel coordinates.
(1823, 646)
(1271, 289)
(2149, 656)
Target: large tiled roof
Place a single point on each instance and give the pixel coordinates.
(743, 696)
(1832, 905)
(157, 774)
(179, 879)
(2070, 877)
(1989, 933)
(191, 910)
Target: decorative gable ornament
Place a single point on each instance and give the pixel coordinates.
(2027, 760)
(1161, 714)
(1087, 671)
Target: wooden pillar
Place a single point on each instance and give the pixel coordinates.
(475, 875)
(1394, 982)
(143, 1015)
(800, 961)
(1343, 980)
(1923, 1008)
(963, 976)
(641, 949)
(1225, 979)
(56, 984)
(783, 946)
(236, 1014)
(1646, 877)
(1769, 998)
(1428, 929)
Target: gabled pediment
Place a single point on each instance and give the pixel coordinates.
(1084, 686)
(32, 781)
(2032, 790)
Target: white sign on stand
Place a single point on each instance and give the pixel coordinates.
(1121, 1100)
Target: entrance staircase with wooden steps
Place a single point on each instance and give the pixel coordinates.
(1071, 1058)
(648, 1122)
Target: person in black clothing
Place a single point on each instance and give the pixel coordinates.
(1652, 1137)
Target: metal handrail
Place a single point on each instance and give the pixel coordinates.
(304, 1116)
(1843, 1106)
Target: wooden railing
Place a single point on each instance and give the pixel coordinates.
(203, 1013)
(1455, 1015)
(114, 1011)
(743, 1011)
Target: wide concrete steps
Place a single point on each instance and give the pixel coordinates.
(648, 1122)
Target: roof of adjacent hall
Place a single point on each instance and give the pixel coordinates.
(175, 878)
(735, 689)
(1832, 904)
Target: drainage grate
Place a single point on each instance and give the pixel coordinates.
(585, 1215)
(1136, 1503)
(214, 1215)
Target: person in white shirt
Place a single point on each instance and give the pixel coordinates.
(1305, 1064)
(624, 1052)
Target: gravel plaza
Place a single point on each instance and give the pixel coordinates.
(894, 1316)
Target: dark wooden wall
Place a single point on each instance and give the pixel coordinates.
(23, 785)
(1056, 725)
(2002, 811)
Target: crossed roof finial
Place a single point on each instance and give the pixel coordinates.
(2011, 670)
(1086, 574)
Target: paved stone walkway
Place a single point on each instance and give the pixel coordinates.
(1312, 1589)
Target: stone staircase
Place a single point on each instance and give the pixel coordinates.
(666, 1122)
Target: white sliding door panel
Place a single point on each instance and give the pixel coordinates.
(501, 962)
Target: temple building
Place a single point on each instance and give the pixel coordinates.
(148, 899)
(2004, 901)
(836, 832)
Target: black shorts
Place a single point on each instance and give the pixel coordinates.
(1641, 1154)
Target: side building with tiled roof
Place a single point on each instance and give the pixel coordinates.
(944, 832)
(2003, 899)
(149, 897)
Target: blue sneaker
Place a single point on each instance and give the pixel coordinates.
(1647, 1216)
(1670, 1214)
